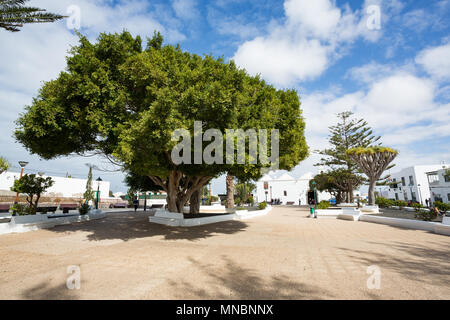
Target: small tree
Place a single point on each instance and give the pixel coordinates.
(33, 186)
(89, 193)
(373, 161)
(4, 165)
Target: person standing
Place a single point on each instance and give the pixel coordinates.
(136, 204)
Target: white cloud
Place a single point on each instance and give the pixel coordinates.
(185, 9)
(313, 34)
(436, 61)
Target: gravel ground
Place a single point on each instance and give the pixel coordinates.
(283, 255)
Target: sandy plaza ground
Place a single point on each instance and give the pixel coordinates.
(283, 255)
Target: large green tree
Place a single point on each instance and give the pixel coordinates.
(122, 101)
(14, 14)
(347, 134)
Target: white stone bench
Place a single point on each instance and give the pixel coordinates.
(370, 209)
(351, 214)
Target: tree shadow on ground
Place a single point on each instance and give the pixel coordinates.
(128, 226)
(44, 291)
(421, 261)
(237, 282)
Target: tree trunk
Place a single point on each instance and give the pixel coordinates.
(172, 200)
(194, 207)
(372, 192)
(230, 192)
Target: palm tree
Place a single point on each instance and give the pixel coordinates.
(13, 15)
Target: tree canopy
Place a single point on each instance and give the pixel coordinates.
(119, 100)
(14, 14)
(373, 161)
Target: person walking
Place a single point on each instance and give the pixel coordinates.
(136, 204)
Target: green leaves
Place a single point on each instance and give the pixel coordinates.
(4, 165)
(13, 15)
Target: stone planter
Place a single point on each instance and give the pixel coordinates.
(29, 219)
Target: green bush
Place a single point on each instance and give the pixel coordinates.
(442, 206)
(250, 200)
(426, 215)
(323, 205)
(83, 208)
(400, 203)
(417, 206)
(262, 205)
(384, 203)
(23, 210)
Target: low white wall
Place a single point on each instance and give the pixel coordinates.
(435, 227)
(20, 224)
(177, 219)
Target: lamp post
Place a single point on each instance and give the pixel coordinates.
(22, 165)
(98, 192)
(315, 198)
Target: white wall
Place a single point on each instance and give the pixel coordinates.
(63, 187)
(419, 174)
(440, 189)
(295, 189)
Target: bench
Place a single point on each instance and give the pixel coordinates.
(118, 205)
(4, 207)
(290, 203)
(157, 206)
(47, 209)
(65, 207)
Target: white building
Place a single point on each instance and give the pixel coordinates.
(63, 187)
(439, 182)
(410, 184)
(286, 188)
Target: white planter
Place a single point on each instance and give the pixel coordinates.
(29, 219)
(370, 209)
(446, 220)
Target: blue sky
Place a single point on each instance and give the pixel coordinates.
(396, 76)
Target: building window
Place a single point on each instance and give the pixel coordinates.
(448, 197)
(447, 177)
(403, 181)
(396, 196)
(411, 180)
(433, 178)
(413, 196)
(285, 193)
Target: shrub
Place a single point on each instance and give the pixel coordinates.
(250, 200)
(22, 210)
(417, 206)
(262, 205)
(323, 205)
(84, 208)
(442, 206)
(400, 203)
(425, 215)
(384, 203)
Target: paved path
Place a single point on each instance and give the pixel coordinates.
(282, 255)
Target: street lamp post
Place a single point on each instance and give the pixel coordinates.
(98, 193)
(315, 199)
(22, 165)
